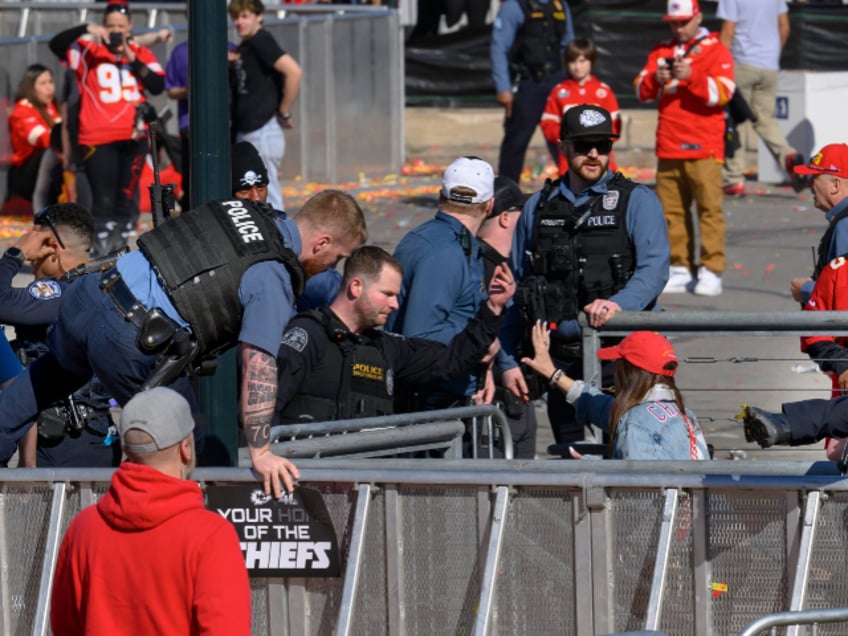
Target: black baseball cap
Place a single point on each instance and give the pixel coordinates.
(507, 195)
(580, 122)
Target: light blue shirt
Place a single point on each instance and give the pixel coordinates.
(509, 20)
(756, 41)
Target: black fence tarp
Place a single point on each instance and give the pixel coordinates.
(454, 69)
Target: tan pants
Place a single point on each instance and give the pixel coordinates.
(679, 184)
(759, 88)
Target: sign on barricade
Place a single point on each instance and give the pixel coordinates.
(290, 536)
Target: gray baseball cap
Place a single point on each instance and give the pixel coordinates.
(162, 413)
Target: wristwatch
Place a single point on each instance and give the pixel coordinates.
(15, 253)
(285, 116)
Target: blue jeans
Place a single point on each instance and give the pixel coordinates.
(89, 337)
(270, 143)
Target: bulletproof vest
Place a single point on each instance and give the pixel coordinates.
(200, 257)
(536, 50)
(583, 253)
(824, 244)
(352, 378)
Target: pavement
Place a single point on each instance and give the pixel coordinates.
(770, 233)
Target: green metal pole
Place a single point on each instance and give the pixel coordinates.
(210, 179)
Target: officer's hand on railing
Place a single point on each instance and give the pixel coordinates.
(275, 471)
(600, 311)
(501, 288)
(513, 381)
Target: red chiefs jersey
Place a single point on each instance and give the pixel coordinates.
(109, 90)
(829, 294)
(29, 130)
(691, 111)
(571, 93)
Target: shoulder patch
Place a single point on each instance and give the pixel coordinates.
(45, 289)
(297, 338)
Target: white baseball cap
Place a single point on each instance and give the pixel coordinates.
(476, 178)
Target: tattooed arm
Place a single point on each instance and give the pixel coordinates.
(258, 397)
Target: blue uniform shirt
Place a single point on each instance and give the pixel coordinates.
(646, 228)
(265, 291)
(510, 19)
(442, 286)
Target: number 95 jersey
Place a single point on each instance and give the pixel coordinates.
(109, 90)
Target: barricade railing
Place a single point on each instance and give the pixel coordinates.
(352, 59)
(401, 433)
(808, 617)
(433, 546)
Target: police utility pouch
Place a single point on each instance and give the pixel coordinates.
(156, 332)
(51, 424)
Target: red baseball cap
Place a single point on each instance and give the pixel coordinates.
(832, 159)
(680, 10)
(647, 350)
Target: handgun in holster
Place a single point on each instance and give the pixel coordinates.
(173, 346)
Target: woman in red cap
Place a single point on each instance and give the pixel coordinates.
(647, 418)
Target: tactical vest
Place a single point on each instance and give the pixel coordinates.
(583, 253)
(535, 52)
(200, 257)
(352, 378)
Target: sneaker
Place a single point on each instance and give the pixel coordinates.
(767, 429)
(679, 280)
(798, 181)
(709, 283)
(735, 190)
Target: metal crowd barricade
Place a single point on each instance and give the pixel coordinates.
(401, 433)
(436, 546)
(808, 617)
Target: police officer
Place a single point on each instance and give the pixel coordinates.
(526, 54)
(224, 273)
(495, 236)
(592, 241)
(336, 362)
(72, 433)
(443, 276)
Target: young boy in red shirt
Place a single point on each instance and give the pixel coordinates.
(580, 88)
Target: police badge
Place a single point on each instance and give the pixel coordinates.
(610, 200)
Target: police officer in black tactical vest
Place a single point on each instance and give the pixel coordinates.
(592, 241)
(338, 363)
(526, 54)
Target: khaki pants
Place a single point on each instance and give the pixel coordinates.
(759, 88)
(680, 183)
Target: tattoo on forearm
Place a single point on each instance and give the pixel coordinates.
(260, 384)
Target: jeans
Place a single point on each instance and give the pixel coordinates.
(270, 143)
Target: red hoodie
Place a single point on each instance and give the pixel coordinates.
(150, 559)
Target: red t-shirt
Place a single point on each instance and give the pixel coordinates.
(571, 93)
(29, 130)
(109, 90)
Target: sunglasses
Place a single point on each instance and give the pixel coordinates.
(116, 8)
(585, 147)
(43, 218)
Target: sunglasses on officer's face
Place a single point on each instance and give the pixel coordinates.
(43, 218)
(585, 147)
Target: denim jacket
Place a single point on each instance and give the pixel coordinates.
(653, 429)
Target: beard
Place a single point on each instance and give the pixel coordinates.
(312, 266)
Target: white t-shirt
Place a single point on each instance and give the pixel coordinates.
(757, 39)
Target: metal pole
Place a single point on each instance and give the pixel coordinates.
(210, 179)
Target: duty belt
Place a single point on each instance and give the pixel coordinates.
(125, 301)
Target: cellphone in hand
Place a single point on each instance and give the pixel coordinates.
(116, 39)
